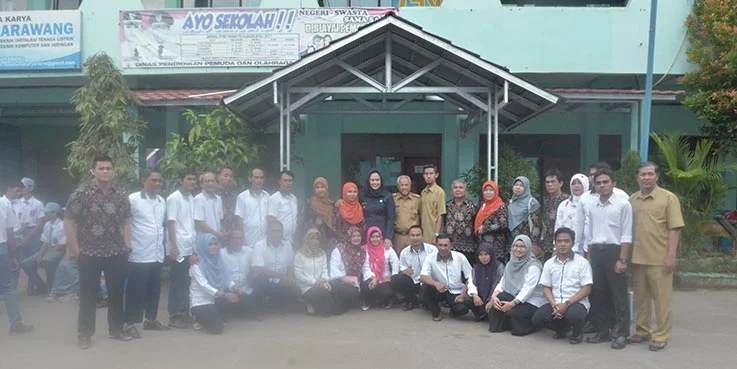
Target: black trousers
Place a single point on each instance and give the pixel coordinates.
(211, 317)
(381, 295)
(142, 291)
(335, 301)
(346, 296)
(405, 286)
(518, 320)
(574, 319)
(90, 268)
(432, 298)
(276, 292)
(609, 292)
(179, 288)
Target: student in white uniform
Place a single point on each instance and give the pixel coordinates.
(180, 225)
(252, 208)
(407, 281)
(442, 278)
(570, 211)
(208, 208)
(237, 260)
(209, 294)
(519, 294)
(53, 247)
(380, 265)
(273, 263)
(283, 205)
(146, 258)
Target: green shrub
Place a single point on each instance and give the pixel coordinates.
(511, 166)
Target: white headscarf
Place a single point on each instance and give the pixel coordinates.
(584, 181)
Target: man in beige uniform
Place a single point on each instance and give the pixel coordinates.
(407, 212)
(433, 205)
(657, 229)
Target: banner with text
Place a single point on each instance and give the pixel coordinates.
(233, 37)
(40, 40)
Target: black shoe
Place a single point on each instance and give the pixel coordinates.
(575, 340)
(177, 322)
(102, 303)
(84, 343)
(600, 337)
(619, 343)
(154, 325)
(478, 318)
(132, 331)
(409, 305)
(590, 328)
(20, 328)
(560, 335)
(122, 336)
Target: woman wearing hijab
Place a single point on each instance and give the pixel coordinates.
(311, 273)
(491, 221)
(570, 212)
(518, 295)
(209, 293)
(378, 206)
(486, 275)
(380, 265)
(350, 211)
(524, 213)
(320, 214)
(346, 267)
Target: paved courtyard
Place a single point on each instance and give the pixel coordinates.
(705, 335)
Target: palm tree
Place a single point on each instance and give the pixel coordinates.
(695, 176)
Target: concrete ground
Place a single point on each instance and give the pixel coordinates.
(705, 335)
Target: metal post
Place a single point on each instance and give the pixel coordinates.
(647, 105)
(496, 137)
(488, 137)
(281, 133)
(388, 62)
(288, 131)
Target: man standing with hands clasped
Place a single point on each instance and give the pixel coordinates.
(658, 222)
(97, 226)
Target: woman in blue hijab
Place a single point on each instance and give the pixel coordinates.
(209, 293)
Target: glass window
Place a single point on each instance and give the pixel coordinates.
(66, 4)
(355, 3)
(219, 3)
(582, 3)
(154, 4)
(13, 5)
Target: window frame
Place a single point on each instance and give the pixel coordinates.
(55, 5)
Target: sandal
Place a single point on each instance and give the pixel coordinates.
(657, 345)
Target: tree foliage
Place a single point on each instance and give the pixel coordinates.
(626, 176)
(695, 176)
(218, 138)
(511, 166)
(106, 125)
(712, 31)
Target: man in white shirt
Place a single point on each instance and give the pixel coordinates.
(146, 258)
(53, 246)
(237, 260)
(252, 208)
(566, 280)
(181, 232)
(8, 221)
(609, 237)
(273, 266)
(283, 205)
(411, 259)
(442, 278)
(30, 213)
(208, 208)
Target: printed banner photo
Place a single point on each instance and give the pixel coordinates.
(40, 40)
(233, 37)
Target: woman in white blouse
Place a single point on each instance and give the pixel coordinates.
(380, 265)
(313, 280)
(346, 267)
(519, 294)
(570, 211)
(209, 294)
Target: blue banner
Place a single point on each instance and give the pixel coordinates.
(40, 40)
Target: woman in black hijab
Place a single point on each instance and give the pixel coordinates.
(378, 206)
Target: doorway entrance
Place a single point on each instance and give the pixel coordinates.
(392, 154)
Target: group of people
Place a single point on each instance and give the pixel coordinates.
(521, 264)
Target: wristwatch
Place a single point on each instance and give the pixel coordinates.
(437, 234)
(568, 303)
